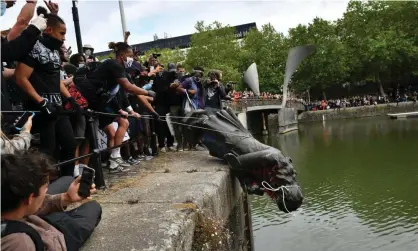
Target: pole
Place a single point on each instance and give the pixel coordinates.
(122, 18)
(95, 161)
(77, 28)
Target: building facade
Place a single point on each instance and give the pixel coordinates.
(182, 42)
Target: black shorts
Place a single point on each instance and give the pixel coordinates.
(78, 123)
(106, 120)
(135, 127)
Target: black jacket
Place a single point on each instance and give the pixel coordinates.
(15, 50)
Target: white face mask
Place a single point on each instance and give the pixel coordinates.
(128, 62)
(80, 65)
(88, 52)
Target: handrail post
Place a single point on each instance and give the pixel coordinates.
(95, 161)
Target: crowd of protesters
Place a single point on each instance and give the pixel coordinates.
(357, 101)
(64, 93)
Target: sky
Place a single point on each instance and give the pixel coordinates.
(100, 21)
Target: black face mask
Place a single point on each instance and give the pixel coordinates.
(51, 42)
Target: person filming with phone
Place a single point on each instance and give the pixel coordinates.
(33, 220)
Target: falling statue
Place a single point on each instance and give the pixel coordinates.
(261, 169)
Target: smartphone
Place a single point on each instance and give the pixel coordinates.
(86, 181)
(23, 119)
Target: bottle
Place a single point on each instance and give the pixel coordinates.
(148, 86)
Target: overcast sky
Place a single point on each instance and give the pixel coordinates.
(100, 20)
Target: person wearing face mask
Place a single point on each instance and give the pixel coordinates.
(176, 101)
(12, 50)
(88, 50)
(102, 89)
(78, 60)
(38, 75)
(193, 87)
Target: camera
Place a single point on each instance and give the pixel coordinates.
(156, 55)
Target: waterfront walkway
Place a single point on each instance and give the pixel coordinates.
(154, 206)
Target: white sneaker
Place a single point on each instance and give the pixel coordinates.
(119, 169)
(119, 161)
(163, 150)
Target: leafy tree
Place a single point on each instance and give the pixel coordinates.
(327, 66)
(214, 47)
(167, 56)
(267, 48)
(379, 40)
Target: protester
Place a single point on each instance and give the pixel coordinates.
(78, 121)
(17, 49)
(35, 220)
(38, 74)
(101, 88)
(176, 102)
(19, 142)
(214, 92)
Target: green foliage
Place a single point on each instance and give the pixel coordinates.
(268, 49)
(214, 47)
(374, 41)
(167, 56)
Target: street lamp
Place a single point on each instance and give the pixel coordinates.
(122, 18)
(77, 27)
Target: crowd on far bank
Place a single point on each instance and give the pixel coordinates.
(357, 101)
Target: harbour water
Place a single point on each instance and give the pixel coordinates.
(360, 181)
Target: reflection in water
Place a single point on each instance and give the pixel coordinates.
(360, 179)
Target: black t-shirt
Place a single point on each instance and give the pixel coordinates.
(45, 78)
(101, 80)
(106, 74)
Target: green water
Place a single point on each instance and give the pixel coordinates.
(360, 181)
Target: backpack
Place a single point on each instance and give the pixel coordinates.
(83, 73)
(12, 227)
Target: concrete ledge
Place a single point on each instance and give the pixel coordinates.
(154, 207)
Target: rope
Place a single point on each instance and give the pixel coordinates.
(267, 186)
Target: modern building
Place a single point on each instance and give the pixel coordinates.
(182, 42)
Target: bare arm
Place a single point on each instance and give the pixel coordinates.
(8, 73)
(23, 73)
(23, 19)
(64, 91)
(145, 102)
(130, 87)
(181, 90)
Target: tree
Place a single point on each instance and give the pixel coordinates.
(214, 47)
(379, 40)
(328, 65)
(267, 48)
(167, 56)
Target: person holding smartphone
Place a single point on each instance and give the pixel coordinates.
(20, 141)
(34, 219)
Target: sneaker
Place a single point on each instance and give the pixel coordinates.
(198, 148)
(140, 157)
(179, 148)
(147, 158)
(133, 161)
(163, 149)
(171, 149)
(119, 161)
(119, 169)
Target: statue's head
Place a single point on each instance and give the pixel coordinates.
(282, 186)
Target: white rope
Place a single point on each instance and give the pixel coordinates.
(267, 186)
